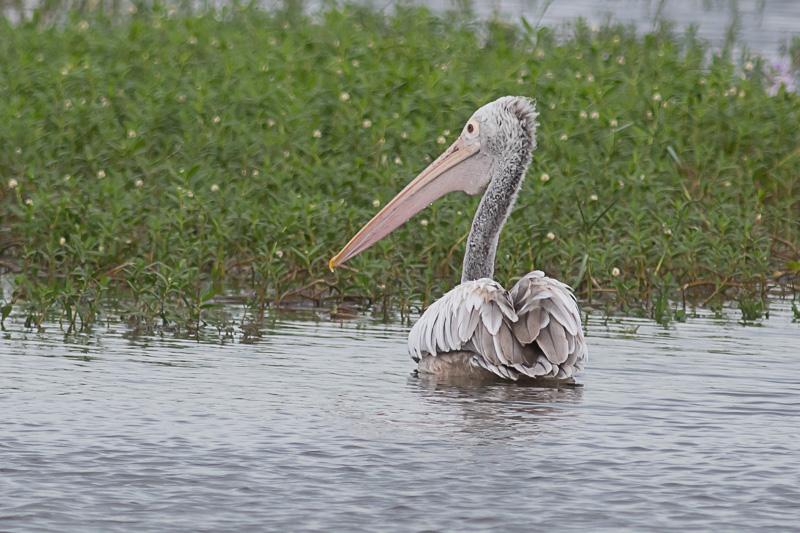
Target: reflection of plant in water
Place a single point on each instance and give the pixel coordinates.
(716, 308)
(752, 306)
(662, 309)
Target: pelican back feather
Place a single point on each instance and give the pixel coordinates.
(532, 330)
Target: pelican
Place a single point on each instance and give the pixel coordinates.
(479, 329)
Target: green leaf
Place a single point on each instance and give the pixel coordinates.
(207, 296)
(527, 25)
(674, 155)
(5, 311)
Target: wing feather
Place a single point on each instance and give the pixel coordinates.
(492, 317)
(559, 337)
(534, 329)
(464, 331)
(555, 310)
(552, 321)
(545, 342)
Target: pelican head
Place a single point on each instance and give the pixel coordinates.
(500, 135)
(505, 127)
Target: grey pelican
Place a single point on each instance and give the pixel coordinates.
(478, 328)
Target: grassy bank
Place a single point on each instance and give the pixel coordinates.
(150, 164)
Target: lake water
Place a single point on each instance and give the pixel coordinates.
(764, 25)
(322, 426)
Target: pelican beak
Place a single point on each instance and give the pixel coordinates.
(462, 167)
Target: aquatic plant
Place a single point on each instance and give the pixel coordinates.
(155, 161)
(783, 77)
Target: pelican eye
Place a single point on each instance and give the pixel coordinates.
(470, 128)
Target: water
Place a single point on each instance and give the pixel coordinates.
(764, 25)
(321, 426)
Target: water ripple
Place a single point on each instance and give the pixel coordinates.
(321, 426)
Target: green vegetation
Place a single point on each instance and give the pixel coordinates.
(153, 163)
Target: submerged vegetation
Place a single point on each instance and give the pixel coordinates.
(151, 164)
